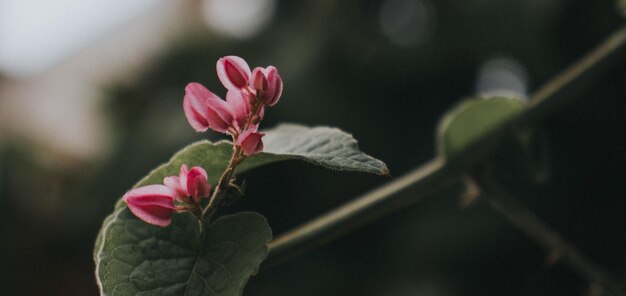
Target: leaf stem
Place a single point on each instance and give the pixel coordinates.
(437, 175)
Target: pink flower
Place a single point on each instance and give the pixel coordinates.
(204, 109)
(259, 80)
(250, 141)
(178, 184)
(153, 204)
(242, 111)
(233, 72)
(239, 104)
(197, 185)
(268, 84)
(189, 183)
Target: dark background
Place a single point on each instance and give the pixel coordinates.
(340, 69)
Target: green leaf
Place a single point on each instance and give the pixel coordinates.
(471, 120)
(324, 146)
(134, 258)
(141, 259)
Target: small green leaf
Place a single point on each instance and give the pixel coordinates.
(134, 258)
(471, 120)
(141, 259)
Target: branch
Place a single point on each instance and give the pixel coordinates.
(564, 87)
(437, 174)
(412, 187)
(532, 226)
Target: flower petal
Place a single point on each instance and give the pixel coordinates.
(153, 204)
(219, 115)
(197, 184)
(259, 79)
(233, 72)
(239, 105)
(274, 88)
(173, 183)
(250, 141)
(195, 105)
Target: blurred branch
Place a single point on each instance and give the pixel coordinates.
(410, 188)
(437, 174)
(580, 75)
(532, 226)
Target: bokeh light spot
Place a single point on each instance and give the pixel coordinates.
(239, 19)
(407, 23)
(502, 76)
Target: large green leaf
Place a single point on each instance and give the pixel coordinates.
(134, 258)
(141, 259)
(471, 120)
(325, 146)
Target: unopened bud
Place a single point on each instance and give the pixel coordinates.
(233, 72)
(250, 142)
(259, 81)
(268, 84)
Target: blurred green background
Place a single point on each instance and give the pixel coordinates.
(383, 70)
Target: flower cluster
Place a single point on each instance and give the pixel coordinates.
(154, 204)
(248, 92)
(239, 116)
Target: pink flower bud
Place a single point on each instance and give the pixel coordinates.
(239, 104)
(197, 185)
(268, 84)
(250, 141)
(233, 72)
(194, 105)
(220, 115)
(173, 183)
(178, 184)
(189, 183)
(275, 86)
(259, 81)
(204, 109)
(153, 204)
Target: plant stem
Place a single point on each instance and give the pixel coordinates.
(222, 184)
(524, 220)
(236, 158)
(582, 73)
(438, 175)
